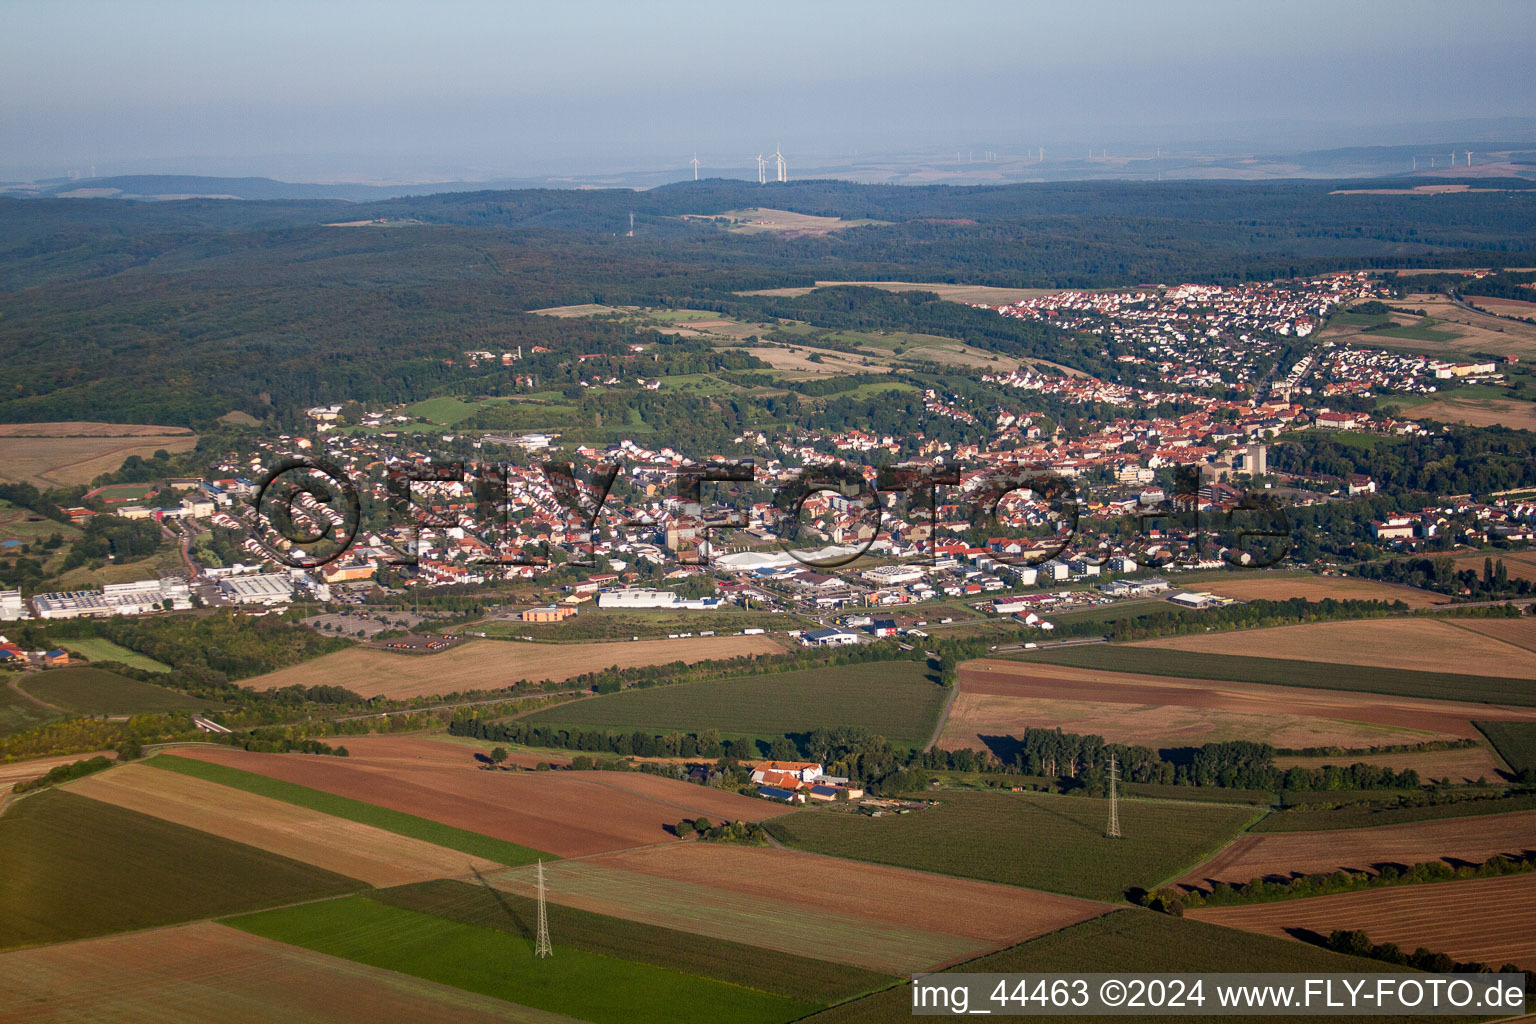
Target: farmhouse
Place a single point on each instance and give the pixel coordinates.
(796, 771)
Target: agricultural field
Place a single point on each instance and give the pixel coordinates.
(364, 852)
(496, 963)
(761, 219)
(1463, 765)
(1520, 565)
(1306, 818)
(498, 664)
(1001, 697)
(1131, 941)
(1419, 644)
(1439, 687)
(565, 814)
(1477, 412)
(63, 454)
(1283, 587)
(18, 712)
(1483, 919)
(781, 973)
(896, 699)
(880, 919)
(1054, 843)
(97, 649)
(77, 867)
(208, 973)
(446, 411)
(17, 523)
(1521, 632)
(468, 846)
(1515, 742)
(1449, 330)
(1363, 849)
(96, 691)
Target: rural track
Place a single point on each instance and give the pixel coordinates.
(938, 728)
(35, 700)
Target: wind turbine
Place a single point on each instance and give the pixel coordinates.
(1469, 158)
(778, 157)
(695, 162)
(1453, 158)
(762, 170)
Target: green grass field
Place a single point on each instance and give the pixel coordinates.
(96, 691)
(1515, 742)
(75, 867)
(1283, 672)
(1423, 331)
(472, 843)
(17, 713)
(1133, 941)
(778, 973)
(1043, 842)
(587, 986)
(895, 699)
(97, 649)
(1309, 819)
(446, 410)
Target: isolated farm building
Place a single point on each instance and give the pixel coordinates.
(787, 795)
(55, 658)
(801, 771)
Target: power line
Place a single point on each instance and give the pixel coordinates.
(1113, 831)
(542, 948)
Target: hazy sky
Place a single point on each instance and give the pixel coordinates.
(380, 89)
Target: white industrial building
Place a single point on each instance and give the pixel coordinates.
(10, 605)
(265, 588)
(636, 598)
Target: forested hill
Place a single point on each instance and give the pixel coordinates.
(175, 312)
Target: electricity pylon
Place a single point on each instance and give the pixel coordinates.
(541, 947)
(1113, 831)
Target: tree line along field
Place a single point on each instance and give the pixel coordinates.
(1372, 815)
(1133, 941)
(1288, 672)
(1044, 842)
(598, 988)
(896, 699)
(77, 867)
(97, 691)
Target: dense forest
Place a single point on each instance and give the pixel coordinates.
(179, 312)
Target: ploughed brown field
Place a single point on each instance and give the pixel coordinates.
(497, 664)
(1261, 855)
(437, 749)
(346, 847)
(570, 814)
(1464, 765)
(1416, 644)
(1258, 586)
(1483, 919)
(999, 698)
(208, 972)
(882, 918)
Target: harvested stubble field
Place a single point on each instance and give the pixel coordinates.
(497, 664)
(769, 921)
(64, 454)
(206, 972)
(1266, 587)
(1478, 412)
(781, 973)
(568, 814)
(1483, 919)
(1521, 632)
(586, 986)
(1467, 764)
(349, 848)
(1520, 565)
(22, 771)
(1054, 843)
(1133, 941)
(999, 698)
(1283, 854)
(1417, 644)
(77, 867)
(1436, 687)
(991, 914)
(896, 699)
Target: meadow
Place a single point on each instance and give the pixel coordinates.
(1129, 941)
(1515, 742)
(76, 867)
(97, 649)
(735, 963)
(1044, 842)
(398, 822)
(18, 713)
(588, 986)
(1287, 672)
(96, 691)
(898, 700)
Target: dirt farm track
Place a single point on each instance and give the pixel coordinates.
(495, 664)
(1484, 919)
